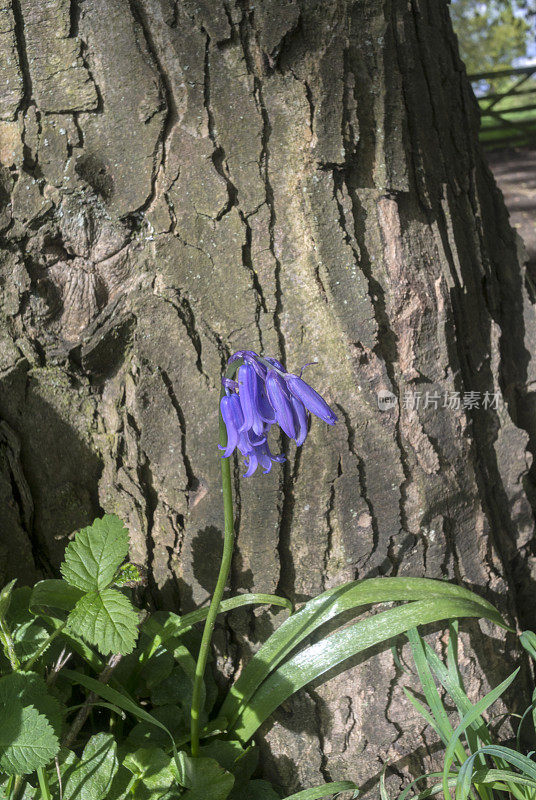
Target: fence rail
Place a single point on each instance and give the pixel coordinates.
(504, 120)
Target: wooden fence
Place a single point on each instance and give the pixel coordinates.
(507, 100)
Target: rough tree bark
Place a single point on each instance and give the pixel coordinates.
(183, 179)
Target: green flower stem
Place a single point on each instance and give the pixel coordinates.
(225, 566)
(8, 646)
(18, 787)
(43, 784)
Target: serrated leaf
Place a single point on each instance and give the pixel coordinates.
(92, 777)
(93, 558)
(106, 619)
(27, 740)
(29, 689)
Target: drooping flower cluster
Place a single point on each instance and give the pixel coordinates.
(263, 394)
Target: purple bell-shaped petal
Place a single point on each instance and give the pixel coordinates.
(310, 399)
(266, 411)
(249, 390)
(302, 420)
(280, 401)
(231, 412)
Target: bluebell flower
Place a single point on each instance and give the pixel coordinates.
(264, 394)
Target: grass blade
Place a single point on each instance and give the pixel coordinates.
(503, 754)
(443, 726)
(472, 715)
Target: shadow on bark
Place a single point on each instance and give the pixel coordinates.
(52, 470)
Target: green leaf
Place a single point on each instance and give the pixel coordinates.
(314, 661)
(167, 624)
(260, 790)
(473, 714)
(327, 606)
(28, 637)
(440, 718)
(54, 594)
(203, 778)
(27, 740)
(5, 598)
(503, 754)
(144, 734)
(85, 652)
(528, 640)
(326, 790)
(93, 558)
(239, 761)
(106, 619)
(115, 697)
(29, 689)
(92, 777)
(154, 768)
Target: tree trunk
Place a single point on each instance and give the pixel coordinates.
(184, 179)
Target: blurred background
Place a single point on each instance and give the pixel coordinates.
(498, 45)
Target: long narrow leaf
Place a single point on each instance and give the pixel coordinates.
(115, 697)
(504, 754)
(451, 680)
(327, 606)
(484, 703)
(494, 776)
(451, 684)
(443, 726)
(428, 792)
(177, 625)
(314, 661)
(326, 790)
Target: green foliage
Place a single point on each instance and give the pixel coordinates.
(92, 776)
(474, 765)
(491, 35)
(106, 619)
(124, 720)
(27, 739)
(102, 616)
(95, 555)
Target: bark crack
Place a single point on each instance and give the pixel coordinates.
(247, 34)
(361, 471)
(328, 550)
(192, 481)
(20, 39)
(222, 168)
(287, 571)
(186, 315)
(163, 141)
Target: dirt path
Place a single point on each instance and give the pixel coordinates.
(515, 172)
